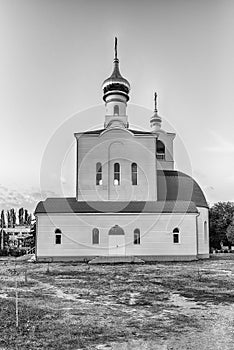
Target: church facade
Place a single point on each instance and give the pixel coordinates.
(130, 202)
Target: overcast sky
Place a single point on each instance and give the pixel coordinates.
(56, 54)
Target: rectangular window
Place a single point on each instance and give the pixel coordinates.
(137, 237)
(98, 174)
(134, 174)
(175, 237)
(205, 232)
(58, 239)
(95, 236)
(116, 174)
(134, 179)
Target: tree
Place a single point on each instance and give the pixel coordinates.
(25, 216)
(13, 217)
(3, 224)
(220, 215)
(230, 232)
(21, 216)
(8, 219)
(2, 220)
(33, 235)
(29, 220)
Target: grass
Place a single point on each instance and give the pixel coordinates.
(77, 306)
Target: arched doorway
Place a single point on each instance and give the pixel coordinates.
(116, 241)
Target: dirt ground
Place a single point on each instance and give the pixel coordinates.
(120, 307)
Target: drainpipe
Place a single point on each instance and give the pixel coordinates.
(36, 237)
(197, 231)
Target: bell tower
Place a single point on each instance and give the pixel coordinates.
(155, 120)
(164, 140)
(116, 95)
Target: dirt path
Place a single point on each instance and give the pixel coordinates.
(163, 306)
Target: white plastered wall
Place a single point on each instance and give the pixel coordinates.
(156, 234)
(203, 235)
(116, 145)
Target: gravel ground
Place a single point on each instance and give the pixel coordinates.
(121, 307)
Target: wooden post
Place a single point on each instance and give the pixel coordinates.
(16, 300)
(16, 304)
(2, 237)
(26, 275)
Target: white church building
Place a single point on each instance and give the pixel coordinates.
(130, 202)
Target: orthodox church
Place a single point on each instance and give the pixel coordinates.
(130, 202)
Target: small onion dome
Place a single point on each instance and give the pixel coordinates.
(116, 230)
(116, 84)
(155, 120)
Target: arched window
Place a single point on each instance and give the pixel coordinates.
(160, 150)
(95, 237)
(205, 232)
(176, 235)
(116, 110)
(137, 236)
(58, 236)
(116, 174)
(98, 174)
(134, 174)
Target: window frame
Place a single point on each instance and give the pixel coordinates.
(176, 233)
(116, 110)
(98, 174)
(58, 236)
(134, 173)
(137, 236)
(116, 174)
(205, 232)
(161, 150)
(95, 234)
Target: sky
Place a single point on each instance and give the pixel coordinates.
(55, 54)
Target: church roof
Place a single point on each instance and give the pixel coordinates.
(175, 185)
(71, 205)
(177, 193)
(135, 132)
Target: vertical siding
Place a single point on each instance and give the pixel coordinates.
(156, 234)
(125, 148)
(203, 242)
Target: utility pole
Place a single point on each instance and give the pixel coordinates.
(2, 223)
(16, 300)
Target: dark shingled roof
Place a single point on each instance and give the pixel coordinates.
(71, 205)
(135, 132)
(177, 193)
(175, 185)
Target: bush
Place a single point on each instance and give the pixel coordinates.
(3, 252)
(15, 252)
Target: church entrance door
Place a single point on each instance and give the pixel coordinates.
(116, 241)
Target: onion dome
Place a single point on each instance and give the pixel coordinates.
(155, 120)
(116, 84)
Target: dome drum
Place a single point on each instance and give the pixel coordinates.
(117, 92)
